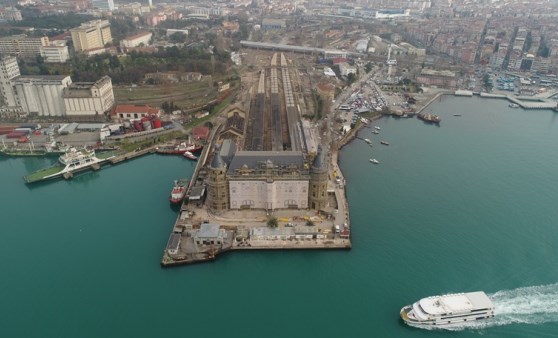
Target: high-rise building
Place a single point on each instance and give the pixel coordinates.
(9, 70)
(107, 5)
(92, 34)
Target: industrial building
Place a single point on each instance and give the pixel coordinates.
(41, 94)
(89, 98)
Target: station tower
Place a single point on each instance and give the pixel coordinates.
(317, 193)
(217, 187)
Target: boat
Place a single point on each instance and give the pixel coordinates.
(448, 310)
(367, 140)
(178, 191)
(190, 156)
(375, 132)
(429, 118)
(513, 105)
(179, 149)
(72, 161)
(386, 143)
(373, 160)
(364, 121)
(456, 114)
(377, 128)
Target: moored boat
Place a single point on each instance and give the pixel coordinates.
(179, 149)
(513, 105)
(386, 143)
(448, 310)
(190, 156)
(178, 191)
(430, 118)
(72, 161)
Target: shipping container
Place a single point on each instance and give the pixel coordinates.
(157, 124)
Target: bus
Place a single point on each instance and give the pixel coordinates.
(344, 107)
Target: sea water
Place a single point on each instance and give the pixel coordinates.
(467, 206)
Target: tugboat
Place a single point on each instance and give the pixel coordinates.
(178, 191)
(429, 118)
(190, 156)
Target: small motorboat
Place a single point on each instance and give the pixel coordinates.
(386, 143)
(375, 132)
(190, 156)
(377, 128)
(375, 161)
(367, 140)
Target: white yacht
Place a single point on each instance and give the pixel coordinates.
(367, 140)
(377, 128)
(448, 310)
(375, 161)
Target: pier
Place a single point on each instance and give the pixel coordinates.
(525, 102)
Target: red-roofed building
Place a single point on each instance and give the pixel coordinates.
(130, 111)
(200, 133)
(337, 61)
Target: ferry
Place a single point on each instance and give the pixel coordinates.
(448, 310)
(72, 161)
(178, 191)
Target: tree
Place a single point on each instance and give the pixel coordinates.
(351, 78)
(310, 223)
(178, 37)
(368, 67)
(272, 222)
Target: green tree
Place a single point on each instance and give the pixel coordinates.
(351, 78)
(178, 37)
(368, 67)
(272, 222)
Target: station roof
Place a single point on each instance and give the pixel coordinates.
(252, 158)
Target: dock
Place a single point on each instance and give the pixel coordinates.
(133, 154)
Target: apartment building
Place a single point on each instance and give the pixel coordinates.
(91, 34)
(22, 45)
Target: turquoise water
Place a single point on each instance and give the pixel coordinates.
(466, 206)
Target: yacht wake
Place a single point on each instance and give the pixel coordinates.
(527, 305)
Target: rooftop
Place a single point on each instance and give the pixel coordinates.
(456, 303)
